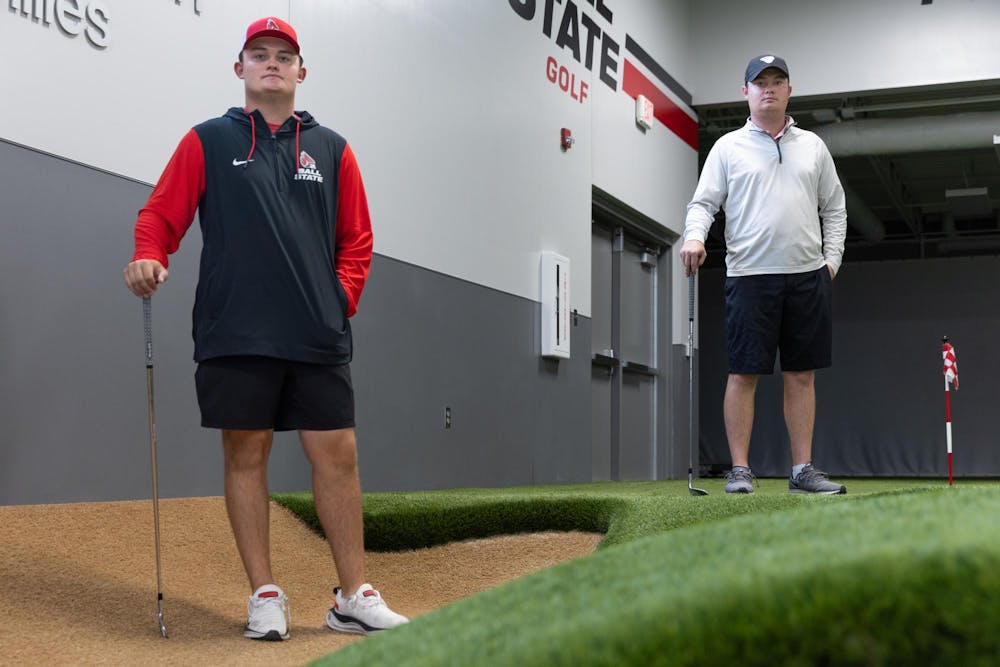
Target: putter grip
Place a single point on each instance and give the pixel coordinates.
(147, 328)
(691, 298)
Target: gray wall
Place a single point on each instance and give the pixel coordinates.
(880, 408)
(424, 341)
(72, 371)
(72, 377)
(73, 380)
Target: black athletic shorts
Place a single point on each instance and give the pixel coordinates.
(243, 392)
(792, 313)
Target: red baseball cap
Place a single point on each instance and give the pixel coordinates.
(272, 26)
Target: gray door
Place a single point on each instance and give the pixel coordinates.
(637, 444)
(624, 378)
(603, 368)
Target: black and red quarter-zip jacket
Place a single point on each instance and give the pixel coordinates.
(287, 241)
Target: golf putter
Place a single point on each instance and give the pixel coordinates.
(148, 330)
(690, 353)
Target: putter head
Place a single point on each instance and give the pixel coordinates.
(693, 490)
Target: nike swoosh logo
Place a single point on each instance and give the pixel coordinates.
(237, 163)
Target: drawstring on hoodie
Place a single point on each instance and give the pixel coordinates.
(298, 128)
(253, 141)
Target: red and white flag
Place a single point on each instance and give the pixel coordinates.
(950, 378)
(950, 364)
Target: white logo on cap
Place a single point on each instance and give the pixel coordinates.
(271, 25)
(767, 59)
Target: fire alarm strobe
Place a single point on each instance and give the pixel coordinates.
(643, 112)
(566, 138)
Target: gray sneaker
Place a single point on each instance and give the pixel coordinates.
(811, 480)
(739, 480)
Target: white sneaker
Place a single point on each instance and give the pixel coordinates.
(363, 613)
(269, 614)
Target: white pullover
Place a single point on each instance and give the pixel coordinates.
(775, 193)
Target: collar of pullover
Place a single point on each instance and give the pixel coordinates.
(789, 122)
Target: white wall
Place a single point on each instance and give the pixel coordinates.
(845, 46)
(654, 171)
(456, 129)
(446, 103)
(456, 124)
(449, 109)
(123, 108)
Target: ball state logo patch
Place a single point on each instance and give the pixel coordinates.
(308, 171)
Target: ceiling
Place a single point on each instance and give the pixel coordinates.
(938, 201)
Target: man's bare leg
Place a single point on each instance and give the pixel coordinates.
(800, 413)
(738, 410)
(246, 454)
(337, 494)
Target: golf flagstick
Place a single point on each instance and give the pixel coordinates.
(147, 321)
(950, 377)
(690, 354)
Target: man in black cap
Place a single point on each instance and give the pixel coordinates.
(785, 227)
(287, 245)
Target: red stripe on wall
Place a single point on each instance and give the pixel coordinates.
(635, 83)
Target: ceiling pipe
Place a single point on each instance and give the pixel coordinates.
(884, 136)
(862, 218)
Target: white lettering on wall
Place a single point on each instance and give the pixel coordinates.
(98, 19)
(91, 18)
(72, 17)
(69, 16)
(197, 10)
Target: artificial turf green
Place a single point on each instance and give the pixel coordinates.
(889, 578)
(622, 510)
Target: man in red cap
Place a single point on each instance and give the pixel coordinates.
(287, 246)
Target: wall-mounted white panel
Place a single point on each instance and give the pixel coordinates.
(555, 313)
(845, 46)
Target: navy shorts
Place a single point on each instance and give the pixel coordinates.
(792, 313)
(244, 392)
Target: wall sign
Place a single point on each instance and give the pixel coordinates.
(583, 33)
(73, 18)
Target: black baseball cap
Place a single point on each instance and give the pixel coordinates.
(760, 63)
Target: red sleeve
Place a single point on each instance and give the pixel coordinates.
(354, 231)
(170, 210)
